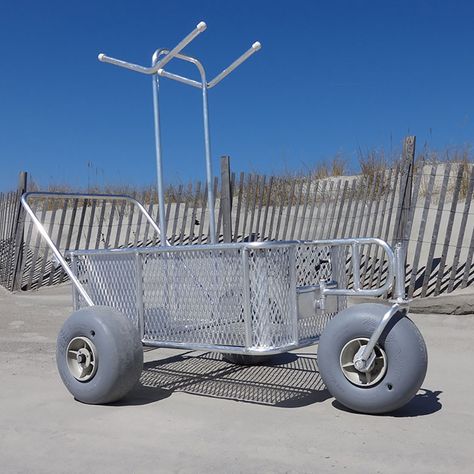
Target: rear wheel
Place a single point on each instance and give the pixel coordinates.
(398, 367)
(99, 355)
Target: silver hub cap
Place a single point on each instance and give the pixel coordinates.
(82, 358)
(349, 365)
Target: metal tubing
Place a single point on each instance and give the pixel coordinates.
(160, 64)
(139, 295)
(157, 69)
(207, 139)
(158, 154)
(200, 27)
(246, 292)
(207, 145)
(325, 290)
(176, 77)
(229, 349)
(253, 49)
(399, 294)
(55, 251)
(356, 265)
(98, 197)
(52, 246)
(293, 300)
(378, 332)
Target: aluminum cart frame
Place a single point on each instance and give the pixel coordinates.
(246, 299)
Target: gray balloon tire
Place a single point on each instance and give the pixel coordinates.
(246, 359)
(405, 349)
(119, 351)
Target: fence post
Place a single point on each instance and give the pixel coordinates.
(403, 223)
(19, 232)
(226, 198)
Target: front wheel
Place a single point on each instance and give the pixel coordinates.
(397, 371)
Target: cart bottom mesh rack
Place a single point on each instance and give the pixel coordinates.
(237, 298)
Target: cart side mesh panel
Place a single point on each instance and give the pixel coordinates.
(315, 264)
(194, 297)
(272, 307)
(111, 280)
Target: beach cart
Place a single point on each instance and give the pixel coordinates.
(246, 300)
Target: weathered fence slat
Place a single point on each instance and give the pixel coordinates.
(260, 205)
(329, 234)
(314, 200)
(434, 235)
(297, 208)
(131, 212)
(239, 206)
(36, 248)
(192, 224)
(203, 213)
(91, 223)
(421, 231)
(323, 221)
(449, 230)
(101, 223)
(462, 230)
(378, 265)
(110, 225)
(267, 208)
(54, 204)
(120, 223)
(341, 208)
(185, 215)
(288, 209)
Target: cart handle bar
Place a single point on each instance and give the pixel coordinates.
(54, 248)
(158, 66)
(394, 267)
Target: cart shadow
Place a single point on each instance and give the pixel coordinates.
(426, 402)
(287, 381)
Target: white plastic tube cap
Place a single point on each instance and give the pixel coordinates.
(101, 56)
(201, 26)
(257, 45)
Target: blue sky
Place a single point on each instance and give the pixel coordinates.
(332, 77)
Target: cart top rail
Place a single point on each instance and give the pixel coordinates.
(47, 238)
(393, 261)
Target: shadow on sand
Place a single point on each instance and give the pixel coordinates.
(287, 381)
(425, 402)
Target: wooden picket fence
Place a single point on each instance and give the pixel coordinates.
(427, 207)
(11, 236)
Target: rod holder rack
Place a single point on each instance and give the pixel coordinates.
(161, 57)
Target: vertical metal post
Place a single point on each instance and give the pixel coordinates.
(356, 266)
(293, 302)
(139, 295)
(209, 174)
(159, 164)
(399, 294)
(246, 292)
(226, 198)
(75, 294)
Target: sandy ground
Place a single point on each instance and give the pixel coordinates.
(277, 418)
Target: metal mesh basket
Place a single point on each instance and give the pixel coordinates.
(225, 296)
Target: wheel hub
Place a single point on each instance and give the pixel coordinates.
(359, 372)
(82, 358)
